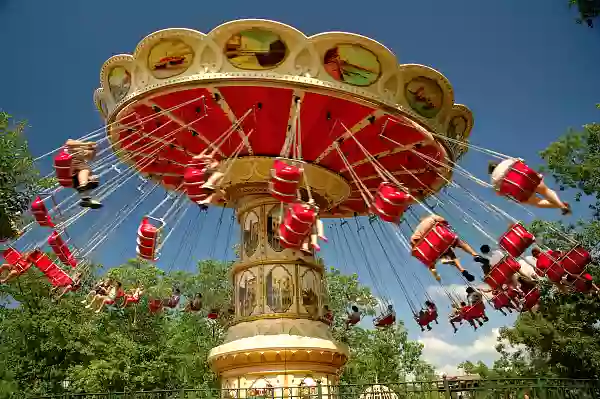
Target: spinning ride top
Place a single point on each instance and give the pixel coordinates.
(264, 97)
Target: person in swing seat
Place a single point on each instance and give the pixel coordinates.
(83, 152)
(353, 316)
(114, 292)
(101, 288)
(456, 315)
(474, 298)
(134, 296)
(317, 232)
(387, 318)
(13, 271)
(74, 286)
(547, 198)
(195, 305)
(173, 301)
(213, 177)
(448, 257)
(431, 311)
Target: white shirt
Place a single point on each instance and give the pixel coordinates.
(501, 170)
(528, 266)
(474, 298)
(496, 256)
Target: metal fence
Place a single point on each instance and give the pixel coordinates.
(465, 388)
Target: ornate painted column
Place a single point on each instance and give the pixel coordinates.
(277, 340)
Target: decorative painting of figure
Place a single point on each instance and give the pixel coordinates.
(456, 130)
(308, 389)
(310, 292)
(247, 287)
(425, 96)
(261, 389)
(255, 49)
(280, 289)
(352, 64)
(251, 234)
(119, 82)
(170, 58)
(273, 218)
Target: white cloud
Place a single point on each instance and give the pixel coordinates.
(446, 356)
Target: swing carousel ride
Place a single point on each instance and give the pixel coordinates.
(287, 131)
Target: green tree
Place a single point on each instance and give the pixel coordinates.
(385, 355)
(19, 179)
(589, 10)
(562, 339)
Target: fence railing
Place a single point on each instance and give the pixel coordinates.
(464, 388)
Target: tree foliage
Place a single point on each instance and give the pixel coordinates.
(19, 179)
(47, 345)
(589, 10)
(562, 339)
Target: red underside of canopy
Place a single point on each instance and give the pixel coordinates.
(323, 120)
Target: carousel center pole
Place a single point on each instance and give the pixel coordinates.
(277, 340)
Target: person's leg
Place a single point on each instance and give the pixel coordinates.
(84, 177)
(4, 267)
(320, 230)
(435, 274)
(314, 241)
(466, 247)
(9, 276)
(550, 195)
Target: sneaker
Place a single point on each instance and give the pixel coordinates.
(566, 210)
(468, 276)
(436, 276)
(486, 319)
(90, 203)
(203, 207)
(428, 328)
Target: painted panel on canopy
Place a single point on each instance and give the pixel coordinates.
(175, 154)
(319, 115)
(255, 49)
(362, 170)
(420, 180)
(269, 121)
(352, 64)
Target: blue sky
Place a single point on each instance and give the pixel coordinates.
(525, 69)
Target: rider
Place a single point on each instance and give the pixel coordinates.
(548, 197)
(74, 286)
(195, 305)
(353, 317)
(83, 152)
(212, 175)
(317, 232)
(456, 316)
(134, 297)
(449, 257)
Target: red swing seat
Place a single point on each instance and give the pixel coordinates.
(576, 260)
(583, 283)
(473, 312)
(16, 260)
(155, 305)
(213, 314)
(296, 226)
(120, 294)
(502, 272)
(427, 317)
(504, 299)
(53, 273)
(516, 240)
(519, 182)
(194, 176)
(385, 320)
(61, 250)
(549, 264)
(40, 213)
(439, 239)
(63, 168)
(531, 299)
(148, 237)
(285, 180)
(390, 202)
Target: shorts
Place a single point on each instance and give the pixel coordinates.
(77, 165)
(449, 254)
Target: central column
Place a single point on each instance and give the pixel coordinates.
(277, 339)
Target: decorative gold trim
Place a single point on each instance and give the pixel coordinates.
(316, 359)
(240, 267)
(272, 316)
